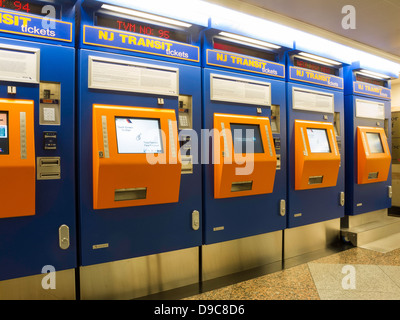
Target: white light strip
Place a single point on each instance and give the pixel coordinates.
(318, 58)
(145, 15)
(249, 40)
(372, 74)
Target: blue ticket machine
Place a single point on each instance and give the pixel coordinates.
(244, 148)
(315, 124)
(139, 119)
(37, 162)
(369, 144)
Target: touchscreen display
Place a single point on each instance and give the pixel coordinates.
(138, 135)
(246, 137)
(318, 139)
(375, 143)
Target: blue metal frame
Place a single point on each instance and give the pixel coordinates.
(140, 230)
(248, 215)
(313, 205)
(27, 244)
(362, 198)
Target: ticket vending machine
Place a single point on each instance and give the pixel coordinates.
(37, 191)
(244, 149)
(315, 113)
(139, 104)
(368, 148)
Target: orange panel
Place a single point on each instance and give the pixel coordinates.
(17, 168)
(373, 161)
(317, 157)
(134, 179)
(238, 174)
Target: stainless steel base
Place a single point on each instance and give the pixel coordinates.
(138, 277)
(30, 288)
(369, 227)
(229, 257)
(309, 238)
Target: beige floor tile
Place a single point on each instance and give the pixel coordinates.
(370, 281)
(377, 278)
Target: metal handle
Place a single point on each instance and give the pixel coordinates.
(195, 220)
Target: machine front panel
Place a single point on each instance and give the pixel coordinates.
(41, 229)
(316, 196)
(240, 211)
(134, 221)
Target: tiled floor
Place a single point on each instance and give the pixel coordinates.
(354, 274)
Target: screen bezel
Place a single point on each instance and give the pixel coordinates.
(327, 139)
(369, 144)
(140, 118)
(247, 125)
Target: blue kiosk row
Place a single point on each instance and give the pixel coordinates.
(163, 153)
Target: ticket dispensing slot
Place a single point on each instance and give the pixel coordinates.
(17, 158)
(135, 156)
(374, 157)
(317, 158)
(242, 168)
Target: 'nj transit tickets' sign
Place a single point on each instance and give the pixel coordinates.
(372, 90)
(322, 79)
(33, 26)
(245, 63)
(130, 41)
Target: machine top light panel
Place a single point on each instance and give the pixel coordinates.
(315, 66)
(141, 27)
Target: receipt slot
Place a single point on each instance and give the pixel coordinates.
(316, 141)
(139, 123)
(37, 149)
(368, 132)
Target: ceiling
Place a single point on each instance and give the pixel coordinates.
(377, 21)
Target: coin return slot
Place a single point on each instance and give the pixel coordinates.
(48, 168)
(242, 186)
(130, 194)
(315, 180)
(373, 175)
